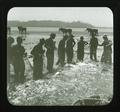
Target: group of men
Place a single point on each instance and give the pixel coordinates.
(17, 53)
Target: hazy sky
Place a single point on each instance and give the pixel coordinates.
(101, 16)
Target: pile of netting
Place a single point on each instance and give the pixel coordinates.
(67, 86)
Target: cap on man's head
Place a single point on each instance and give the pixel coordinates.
(42, 40)
(105, 36)
(19, 39)
(81, 37)
(10, 40)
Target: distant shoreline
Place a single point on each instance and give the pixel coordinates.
(49, 23)
(64, 27)
(52, 23)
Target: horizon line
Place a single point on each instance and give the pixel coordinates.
(62, 21)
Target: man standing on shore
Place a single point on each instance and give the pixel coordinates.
(93, 47)
(80, 49)
(69, 48)
(50, 45)
(61, 51)
(18, 61)
(37, 53)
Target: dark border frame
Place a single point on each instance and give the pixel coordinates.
(6, 5)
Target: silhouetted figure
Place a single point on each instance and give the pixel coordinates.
(50, 45)
(10, 41)
(69, 48)
(18, 61)
(61, 51)
(93, 47)
(80, 48)
(38, 53)
(107, 50)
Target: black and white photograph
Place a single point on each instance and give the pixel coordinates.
(60, 56)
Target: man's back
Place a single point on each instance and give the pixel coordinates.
(50, 45)
(37, 51)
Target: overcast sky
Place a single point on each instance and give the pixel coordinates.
(101, 17)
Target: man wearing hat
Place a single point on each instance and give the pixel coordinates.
(69, 48)
(50, 45)
(61, 51)
(38, 53)
(18, 61)
(80, 48)
(93, 47)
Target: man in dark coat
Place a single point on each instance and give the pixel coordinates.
(38, 53)
(93, 47)
(80, 48)
(69, 48)
(50, 45)
(18, 61)
(61, 51)
(10, 41)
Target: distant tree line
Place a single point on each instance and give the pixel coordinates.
(49, 23)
